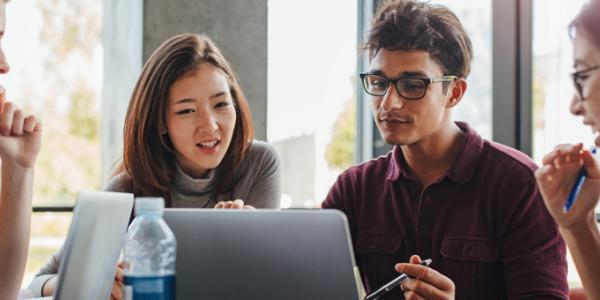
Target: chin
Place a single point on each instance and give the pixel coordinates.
(397, 140)
(209, 165)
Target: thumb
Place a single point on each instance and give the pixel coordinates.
(590, 164)
(415, 259)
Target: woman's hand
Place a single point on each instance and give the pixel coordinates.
(235, 204)
(555, 180)
(20, 135)
(117, 289)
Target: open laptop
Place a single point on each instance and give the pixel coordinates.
(91, 252)
(265, 254)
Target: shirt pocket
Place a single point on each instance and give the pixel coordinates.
(471, 263)
(377, 253)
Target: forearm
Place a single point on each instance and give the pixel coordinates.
(584, 244)
(15, 218)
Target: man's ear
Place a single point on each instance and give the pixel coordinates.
(456, 91)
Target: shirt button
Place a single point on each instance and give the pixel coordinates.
(468, 251)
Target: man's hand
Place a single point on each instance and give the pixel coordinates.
(424, 282)
(20, 135)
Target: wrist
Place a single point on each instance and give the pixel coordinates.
(14, 169)
(586, 226)
(48, 286)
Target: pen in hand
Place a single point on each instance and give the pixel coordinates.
(396, 282)
(576, 189)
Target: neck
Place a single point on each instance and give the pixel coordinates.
(431, 157)
(195, 173)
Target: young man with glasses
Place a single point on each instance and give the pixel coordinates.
(443, 192)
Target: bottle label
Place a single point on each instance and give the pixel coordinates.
(149, 287)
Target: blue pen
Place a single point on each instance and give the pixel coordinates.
(576, 187)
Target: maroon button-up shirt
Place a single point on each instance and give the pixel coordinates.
(483, 223)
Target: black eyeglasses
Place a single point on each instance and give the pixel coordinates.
(411, 88)
(578, 78)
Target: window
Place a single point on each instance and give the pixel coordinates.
(476, 106)
(55, 52)
(311, 108)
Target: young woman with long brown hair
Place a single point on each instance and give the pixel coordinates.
(188, 138)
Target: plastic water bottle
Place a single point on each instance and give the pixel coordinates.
(149, 254)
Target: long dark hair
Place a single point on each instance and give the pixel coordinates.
(148, 157)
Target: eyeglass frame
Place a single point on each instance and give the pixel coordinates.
(576, 76)
(426, 80)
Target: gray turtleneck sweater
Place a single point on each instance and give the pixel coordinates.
(258, 184)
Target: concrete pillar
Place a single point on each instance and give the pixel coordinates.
(122, 38)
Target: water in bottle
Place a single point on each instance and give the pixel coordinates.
(149, 254)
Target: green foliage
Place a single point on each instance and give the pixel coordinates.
(539, 101)
(340, 153)
(69, 160)
(83, 120)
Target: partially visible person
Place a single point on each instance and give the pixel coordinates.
(556, 177)
(188, 138)
(443, 192)
(20, 139)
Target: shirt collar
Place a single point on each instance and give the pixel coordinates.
(463, 168)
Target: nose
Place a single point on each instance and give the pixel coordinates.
(392, 99)
(4, 67)
(576, 105)
(206, 122)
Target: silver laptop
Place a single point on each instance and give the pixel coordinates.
(265, 254)
(91, 252)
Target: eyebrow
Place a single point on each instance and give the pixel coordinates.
(579, 62)
(190, 100)
(184, 100)
(403, 74)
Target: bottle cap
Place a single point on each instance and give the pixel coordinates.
(149, 205)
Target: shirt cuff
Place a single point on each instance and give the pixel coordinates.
(37, 284)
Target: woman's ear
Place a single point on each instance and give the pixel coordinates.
(457, 90)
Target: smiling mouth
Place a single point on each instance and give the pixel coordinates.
(208, 145)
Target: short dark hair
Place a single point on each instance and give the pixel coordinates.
(414, 25)
(588, 21)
